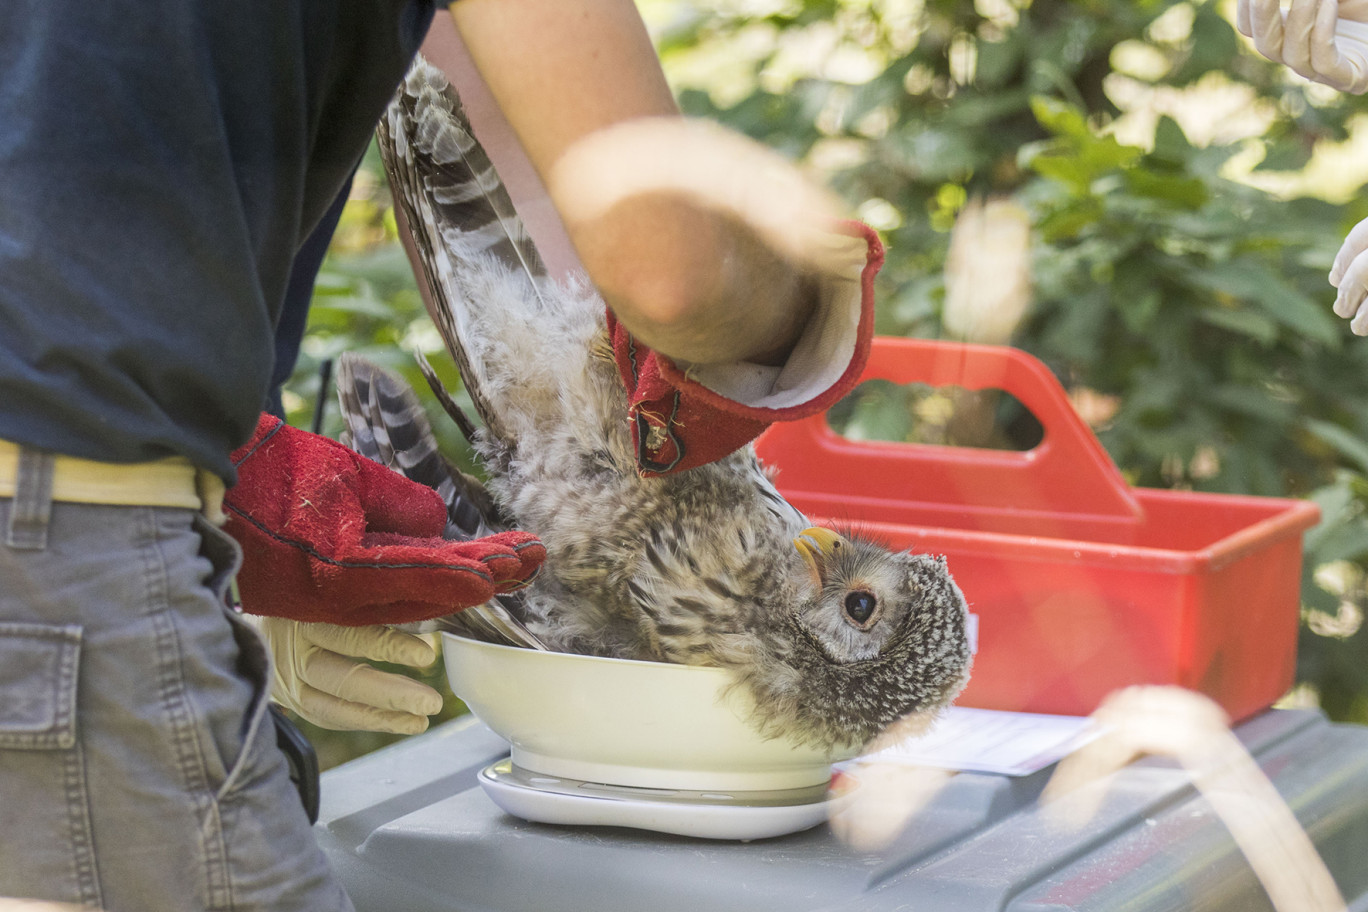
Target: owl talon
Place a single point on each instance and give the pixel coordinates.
(602, 348)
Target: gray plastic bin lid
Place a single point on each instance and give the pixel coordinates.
(408, 829)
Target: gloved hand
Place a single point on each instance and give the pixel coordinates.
(1350, 275)
(1323, 40)
(317, 674)
(328, 535)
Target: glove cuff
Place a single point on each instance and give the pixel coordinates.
(678, 422)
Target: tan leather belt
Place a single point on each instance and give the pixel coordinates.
(170, 482)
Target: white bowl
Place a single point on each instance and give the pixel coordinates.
(641, 724)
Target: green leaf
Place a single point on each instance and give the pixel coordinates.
(1170, 142)
(351, 304)
(1344, 542)
(1252, 281)
(1213, 45)
(1105, 153)
(997, 61)
(1138, 311)
(875, 410)
(329, 282)
(1252, 401)
(1059, 117)
(1242, 322)
(1188, 192)
(1066, 224)
(1342, 441)
(1067, 169)
(1288, 154)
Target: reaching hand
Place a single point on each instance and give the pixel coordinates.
(1323, 40)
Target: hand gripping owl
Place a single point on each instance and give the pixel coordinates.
(834, 636)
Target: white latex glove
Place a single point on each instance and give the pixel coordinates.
(1323, 40)
(1350, 276)
(318, 673)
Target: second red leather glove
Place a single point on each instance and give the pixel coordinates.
(328, 535)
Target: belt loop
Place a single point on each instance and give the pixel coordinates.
(210, 489)
(32, 506)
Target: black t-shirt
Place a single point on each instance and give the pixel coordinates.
(160, 164)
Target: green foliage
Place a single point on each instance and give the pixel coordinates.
(1181, 293)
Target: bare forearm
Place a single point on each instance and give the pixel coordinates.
(688, 280)
(705, 290)
(561, 71)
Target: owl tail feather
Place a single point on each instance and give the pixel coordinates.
(386, 423)
(445, 399)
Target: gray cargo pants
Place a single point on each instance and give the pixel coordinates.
(138, 769)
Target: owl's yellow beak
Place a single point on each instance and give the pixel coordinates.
(816, 546)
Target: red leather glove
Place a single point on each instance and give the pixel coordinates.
(677, 423)
(328, 535)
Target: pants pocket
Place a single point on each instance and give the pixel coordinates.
(258, 737)
(46, 844)
(38, 670)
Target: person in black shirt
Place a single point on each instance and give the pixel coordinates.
(160, 166)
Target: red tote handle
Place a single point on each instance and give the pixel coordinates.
(1067, 473)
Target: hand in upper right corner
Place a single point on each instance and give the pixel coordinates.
(1350, 275)
(1324, 40)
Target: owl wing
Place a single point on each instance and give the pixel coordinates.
(460, 217)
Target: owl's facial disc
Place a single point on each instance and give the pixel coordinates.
(821, 549)
(858, 603)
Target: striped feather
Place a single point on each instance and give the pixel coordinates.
(455, 206)
(386, 423)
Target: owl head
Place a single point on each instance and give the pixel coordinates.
(873, 635)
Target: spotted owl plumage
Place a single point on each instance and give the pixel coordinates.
(834, 636)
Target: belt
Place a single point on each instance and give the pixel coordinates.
(169, 482)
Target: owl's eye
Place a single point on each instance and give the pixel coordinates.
(859, 607)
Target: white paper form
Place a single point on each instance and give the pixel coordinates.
(990, 741)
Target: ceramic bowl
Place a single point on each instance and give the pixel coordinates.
(641, 724)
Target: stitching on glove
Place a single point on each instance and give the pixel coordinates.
(643, 429)
(260, 443)
(508, 587)
(632, 360)
(302, 546)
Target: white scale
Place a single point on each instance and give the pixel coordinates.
(979, 740)
(739, 814)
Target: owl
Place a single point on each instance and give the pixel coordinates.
(833, 635)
